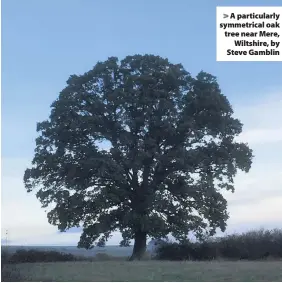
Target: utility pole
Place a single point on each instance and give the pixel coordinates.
(6, 238)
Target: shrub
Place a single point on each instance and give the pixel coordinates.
(207, 250)
(174, 251)
(187, 251)
(253, 245)
(22, 256)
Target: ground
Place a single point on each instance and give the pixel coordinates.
(151, 271)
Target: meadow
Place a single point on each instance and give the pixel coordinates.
(250, 256)
(147, 271)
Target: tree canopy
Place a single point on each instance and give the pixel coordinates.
(139, 146)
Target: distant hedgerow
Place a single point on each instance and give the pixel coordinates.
(253, 245)
(24, 256)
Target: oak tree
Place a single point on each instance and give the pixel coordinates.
(141, 147)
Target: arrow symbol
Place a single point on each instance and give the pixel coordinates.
(225, 16)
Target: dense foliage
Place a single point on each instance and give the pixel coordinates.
(171, 149)
(253, 245)
(33, 255)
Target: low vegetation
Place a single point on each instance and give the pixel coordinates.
(253, 245)
(233, 258)
(26, 256)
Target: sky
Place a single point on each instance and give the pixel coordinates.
(44, 42)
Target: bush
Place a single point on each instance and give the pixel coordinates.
(189, 251)
(253, 245)
(23, 256)
(174, 251)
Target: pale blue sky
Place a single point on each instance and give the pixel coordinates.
(44, 42)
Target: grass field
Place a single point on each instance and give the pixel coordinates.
(149, 271)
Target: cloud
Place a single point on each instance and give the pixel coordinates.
(258, 185)
(256, 202)
(262, 136)
(5, 242)
(262, 120)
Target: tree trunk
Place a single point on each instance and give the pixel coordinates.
(139, 247)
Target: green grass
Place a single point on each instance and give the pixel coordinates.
(150, 271)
